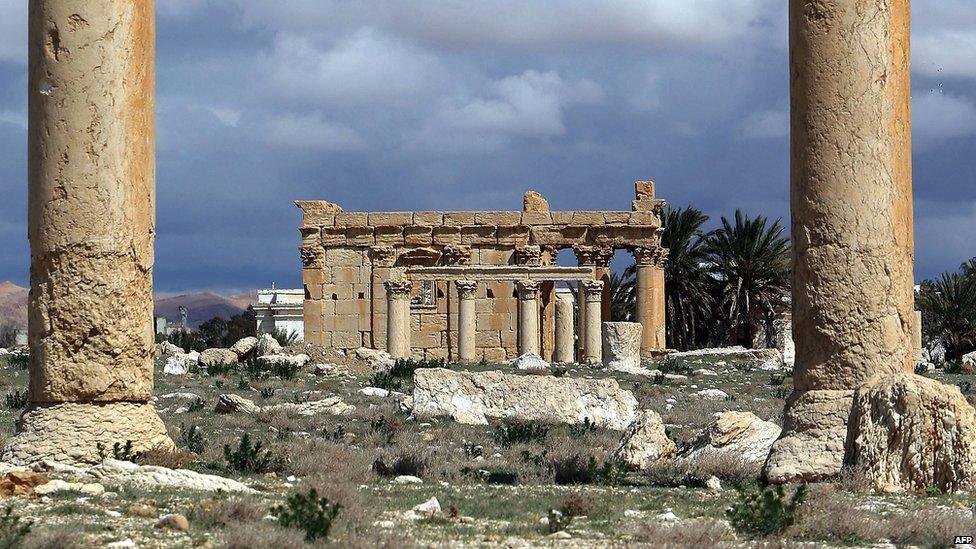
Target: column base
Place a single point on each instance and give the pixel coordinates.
(70, 432)
(811, 446)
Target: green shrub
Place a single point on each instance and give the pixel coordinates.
(247, 458)
(191, 438)
(284, 338)
(579, 470)
(307, 512)
(20, 361)
(16, 400)
(267, 392)
(120, 452)
(384, 380)
(558, 521)
(196, 406)
(215, 370)
(8, 336)
(12, 530)
(581, 429)
(765, 511)
(188, 341)
(519, 432)
(405, 464)
(285, 371)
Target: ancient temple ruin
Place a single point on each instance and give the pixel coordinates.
(469, 286)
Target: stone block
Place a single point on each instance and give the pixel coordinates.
(494, 256)
(644, 190)
(347, 340)
(459, 219)
(316, 275)
(354, 307)
(494, 354)
(497, 218)
(536, 218)
(430, 219)
(515, 235)
(418, 236)
(313, 291)
(493, 321)
(532, 201)
(588, 218)
(345, 275)
(557, 235)
(478, 234)
(359, 236)
(447, 235)
(388, 236)
(617, 218)
(644, 218)
(435, 353)
(487, 338)
(562, 218)
(333, 236)
(509, 339)
(336, 291)
(311, 236)
(344, 257)
(387, 219)
(351, 219)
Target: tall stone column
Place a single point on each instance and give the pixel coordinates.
(593, 348)
(564, 344)
(852, 259)
(599, 258)
(398, 317)
(650, 299)
(528, 316)
(91, 225)
(466, 319)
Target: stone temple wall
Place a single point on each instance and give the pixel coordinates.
(348, 256)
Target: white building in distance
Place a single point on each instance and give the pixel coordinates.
(281, 310)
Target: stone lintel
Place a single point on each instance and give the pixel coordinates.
(503, 273)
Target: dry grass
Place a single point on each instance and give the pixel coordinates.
(689, 533)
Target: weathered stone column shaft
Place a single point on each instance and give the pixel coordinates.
(528, 319)
(593, 349)
(650, 298)
(398, 317)
(91, 218)
(466, 290)
(564, 344)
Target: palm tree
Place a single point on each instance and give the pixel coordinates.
(949, 305)
(751, 262)
(688, 302)
(622, 292)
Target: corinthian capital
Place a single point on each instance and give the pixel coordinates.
(398, 289)
(466, 288)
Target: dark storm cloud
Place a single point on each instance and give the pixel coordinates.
(462, 105)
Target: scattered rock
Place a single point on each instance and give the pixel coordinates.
(141, 510)
(530, 362)
(667, 516)
(175, 521)
(713, 484)
(407, 479)
(244, 346)
(58, 485)
(711, 394)
(622, 345)
(21, 483)
(178, 396)
(213, 357)
(377, 360)
(909, 432)
(122, 544)
(474, 397)
(428, 508)
(113, 471)
(374, 392)
(267, 345)
(180, 364)
(676, 378)
(702, 372)
(296, 361)
(166, 349)
(329, 369)
(229, 403)
(332, 405)
(763, 359)
(645, 442)
(739, 436)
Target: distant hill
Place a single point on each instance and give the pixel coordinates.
(13, 305)
(200, 307)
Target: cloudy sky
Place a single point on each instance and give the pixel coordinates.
(450, 104)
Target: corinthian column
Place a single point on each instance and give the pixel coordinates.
(91, 225)
(528, 321)
(398, 317)
(592, 332)
(649, 298)
(466, 319)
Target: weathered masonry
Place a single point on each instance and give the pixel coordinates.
(474, 285)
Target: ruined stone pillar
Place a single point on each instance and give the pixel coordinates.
(466, 320)
(852, 220)
(528, 320)
(398, 317)
(649, 299)
(564, 351)
(91, 225)
(593, 292)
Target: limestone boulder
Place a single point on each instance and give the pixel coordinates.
(230, 403)
(814, 432)
(710, 394)
(296, 361)
(530, 362)
(267, 345)
(737, 436)
(180, 364)
(532, 201)
(166, 349)
(332, 406)
(909, 432)
(475, 397)
(622, 345)
(113, 471)
(214, 357)
(645, 443)
(375, 359)
(244, 346)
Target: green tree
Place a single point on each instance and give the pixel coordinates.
(622, 292)
(213, 332)
(750, 260)
(948, 307)
(241, 325)
(687, 281)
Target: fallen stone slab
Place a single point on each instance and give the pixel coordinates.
(244, 346)
(738, 356)
(530, 362)
(113, 471)
(180, 364)
(331, 405)
(736, 436)
(295, 361)
(267, 345)
(228, 403)
(475, 397)
(214, 357)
